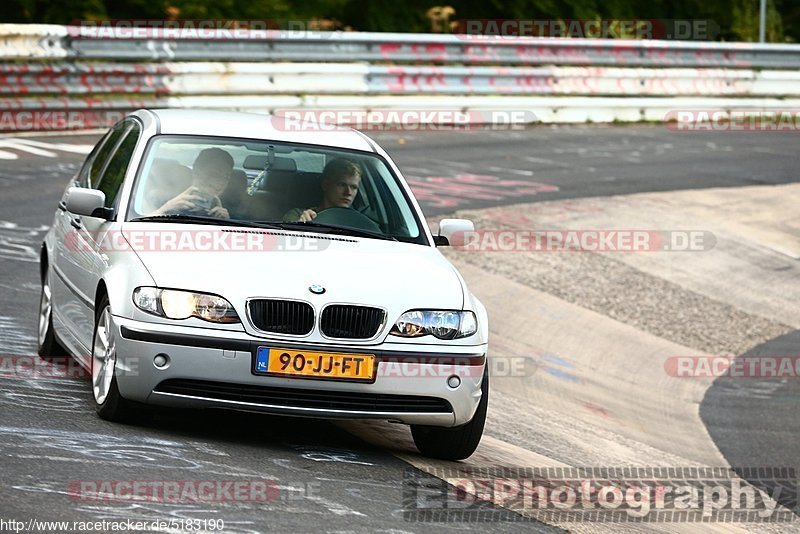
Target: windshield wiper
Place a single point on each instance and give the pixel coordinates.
(338, 230)
(203, 219)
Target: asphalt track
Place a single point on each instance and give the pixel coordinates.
(330, 479)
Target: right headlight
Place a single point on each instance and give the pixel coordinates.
(175, 304)
(442, 324)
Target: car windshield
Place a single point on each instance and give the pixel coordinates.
(319, 189)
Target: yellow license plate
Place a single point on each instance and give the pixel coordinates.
(277, 361)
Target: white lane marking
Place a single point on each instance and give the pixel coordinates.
(463, 164)
(63, 147)
(511, 171)
(9, 143)
(546, 161)
(420, 170)
(38, 148)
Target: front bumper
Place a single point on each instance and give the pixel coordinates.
(215, 369)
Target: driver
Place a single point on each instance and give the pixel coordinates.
(340, 180)
(210, 175)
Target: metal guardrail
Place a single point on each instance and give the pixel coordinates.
(82, 78)
(429, 48)
(353, 78)
(97, 78)
(32, 41)
(582, 81)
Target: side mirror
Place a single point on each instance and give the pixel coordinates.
(88, 202)
(453, 232)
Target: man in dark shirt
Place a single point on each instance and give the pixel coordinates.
(211, 172)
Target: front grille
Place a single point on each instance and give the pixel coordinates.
(282, 316)
(305, 398)
(351, 322)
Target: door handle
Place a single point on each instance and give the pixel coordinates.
(76, 223)
(62, 206)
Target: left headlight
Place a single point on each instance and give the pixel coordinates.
(175, 304)
(441, 324)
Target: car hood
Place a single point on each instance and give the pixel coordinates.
(243, 263)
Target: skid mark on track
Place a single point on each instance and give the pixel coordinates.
(16, 338)
(148, 511)
(458, 190)
(334, 507)
(558, 367)
(326, 454)
(28, 382)
(20, 243)
(135, 452)
(34, 399)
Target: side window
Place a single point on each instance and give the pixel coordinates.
(83, 174)
(114, 174)
(93, 176)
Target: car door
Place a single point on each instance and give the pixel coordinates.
(69, 246)
(80, 259)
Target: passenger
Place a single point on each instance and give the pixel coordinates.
(167, 179)
(211, 172)
(340, 181)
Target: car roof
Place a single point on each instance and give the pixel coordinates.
(255, 126)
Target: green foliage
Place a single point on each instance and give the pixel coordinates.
(745, 21)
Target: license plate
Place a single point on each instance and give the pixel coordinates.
(331, 365)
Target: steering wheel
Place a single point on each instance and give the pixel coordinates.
(347, 217)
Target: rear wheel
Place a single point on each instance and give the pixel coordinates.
(455, 443)
(48, 346)
(108, 402)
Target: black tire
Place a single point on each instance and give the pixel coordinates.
(113, 407)
(48, 346)
(455, 443)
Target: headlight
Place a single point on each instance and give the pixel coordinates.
(441, 324)
(175, 304)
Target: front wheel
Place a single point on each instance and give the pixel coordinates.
(48, 346)
(455, 443)
(108, 402)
